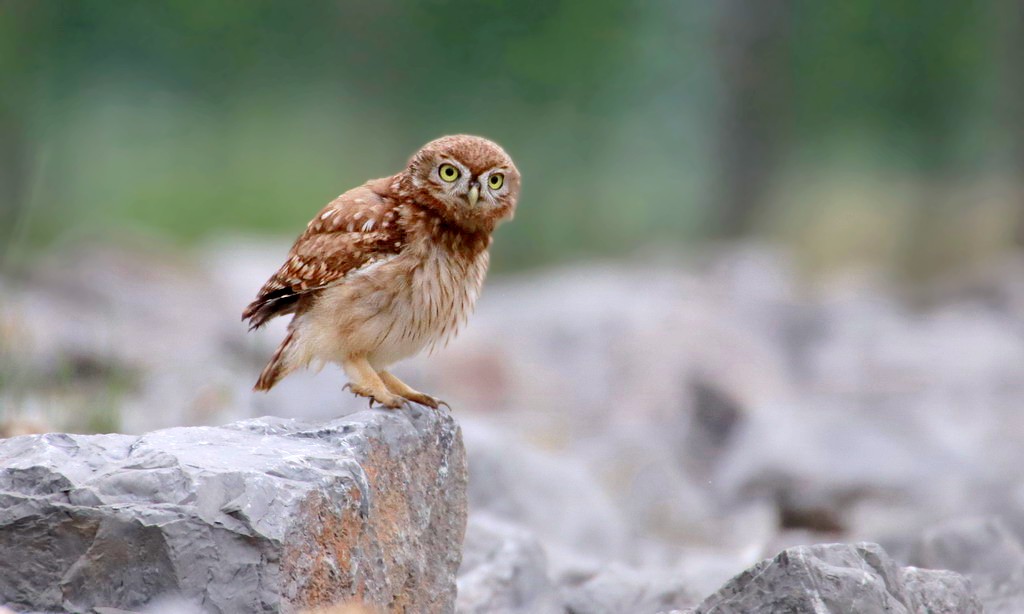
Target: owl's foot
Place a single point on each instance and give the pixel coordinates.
(433, 402)
(364, 382)
(403, 390)
(383, 397)
(424, 399)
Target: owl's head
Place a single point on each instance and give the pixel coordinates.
(470, 180)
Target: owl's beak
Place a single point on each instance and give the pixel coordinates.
(473, 195)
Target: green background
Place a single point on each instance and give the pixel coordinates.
(855, 130)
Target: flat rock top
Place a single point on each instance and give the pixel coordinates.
(226, 468)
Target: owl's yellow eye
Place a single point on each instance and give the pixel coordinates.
(495, 181)
(448, 172)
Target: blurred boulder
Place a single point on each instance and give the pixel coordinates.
(554, 496)
(984, 550)
(108, 326)
(814, 463)
(504, 569)
(841, 578)
(712, 423)
(937, 591)
(618, 588)
(265, 515)
(595, 347)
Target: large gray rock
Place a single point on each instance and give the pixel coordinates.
(837, 578)
(983, 549)
(266, 515)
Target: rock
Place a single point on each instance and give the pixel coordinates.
(841, 578)
(265, 515)
(621, 589)
(504, 569)
(984, 550)
(554, 496)
(115, 321)
(816, 462)
(939, 591)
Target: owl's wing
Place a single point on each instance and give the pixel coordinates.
(356, 229)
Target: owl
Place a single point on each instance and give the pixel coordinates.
(390, 268)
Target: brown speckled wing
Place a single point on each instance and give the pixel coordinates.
(356, 229)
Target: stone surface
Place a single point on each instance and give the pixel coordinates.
(504, 569)
(983, 549)
(841, 578)
(265, 515)
(617, 588)
(555, 497)
(938, 591)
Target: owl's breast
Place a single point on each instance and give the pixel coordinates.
(396, 307)
(443, 290)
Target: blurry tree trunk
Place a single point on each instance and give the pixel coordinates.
(751, 62)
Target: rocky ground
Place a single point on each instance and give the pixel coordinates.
(637, 433)
(263, 515)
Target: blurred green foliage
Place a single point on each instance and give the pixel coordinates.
(197, 118)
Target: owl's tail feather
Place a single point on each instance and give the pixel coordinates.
(279, 366)
(267, 307)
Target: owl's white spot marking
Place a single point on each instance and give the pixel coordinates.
(368, 226)
(327, 214)
(351, 226)
(369, 266)
(360, 200)
(358, 215)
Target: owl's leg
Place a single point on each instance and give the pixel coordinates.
(400, 388)
(366, 383)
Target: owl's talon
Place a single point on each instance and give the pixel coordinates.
(394, 403)
(380, 397)
(418, 397)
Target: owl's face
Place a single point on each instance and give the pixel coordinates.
(471, 180)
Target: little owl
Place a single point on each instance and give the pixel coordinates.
(390, 268)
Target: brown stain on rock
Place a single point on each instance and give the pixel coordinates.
(317, 564)
(395, 558)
